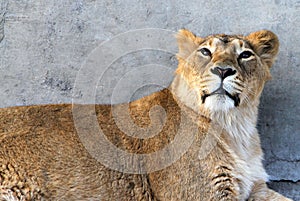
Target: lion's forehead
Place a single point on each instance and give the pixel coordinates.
(225, 43)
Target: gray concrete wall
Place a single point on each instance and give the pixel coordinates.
(46, 42)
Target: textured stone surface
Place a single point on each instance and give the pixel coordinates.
(288, 188)
(46, 42)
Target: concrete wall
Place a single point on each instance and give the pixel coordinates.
(46, 42)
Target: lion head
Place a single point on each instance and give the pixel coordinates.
(226, 71)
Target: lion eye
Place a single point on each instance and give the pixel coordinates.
(204, 51)
(245, 55)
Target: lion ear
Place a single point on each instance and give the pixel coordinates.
(187, 43)
(265, 43)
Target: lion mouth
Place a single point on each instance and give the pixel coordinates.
(222, 91)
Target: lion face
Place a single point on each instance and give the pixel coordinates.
(226, 71)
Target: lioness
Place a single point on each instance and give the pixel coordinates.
(214, 96)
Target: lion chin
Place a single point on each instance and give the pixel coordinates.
(220, 102)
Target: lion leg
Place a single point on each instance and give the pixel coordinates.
(261, 192)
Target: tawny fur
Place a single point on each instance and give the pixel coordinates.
(43, 158)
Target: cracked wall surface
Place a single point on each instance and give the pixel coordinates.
(46, 42)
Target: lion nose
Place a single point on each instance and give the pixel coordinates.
(223, 72)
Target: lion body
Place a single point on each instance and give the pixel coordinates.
(42, 156)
